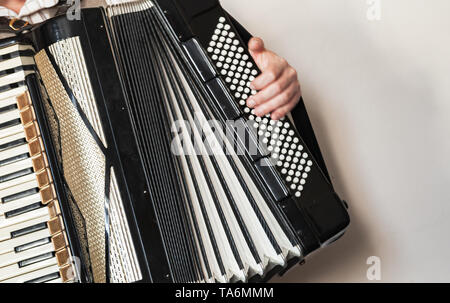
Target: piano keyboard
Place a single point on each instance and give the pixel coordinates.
(33, 243)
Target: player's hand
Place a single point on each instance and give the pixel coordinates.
(278, 85)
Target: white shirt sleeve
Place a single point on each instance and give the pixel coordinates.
(33, 11)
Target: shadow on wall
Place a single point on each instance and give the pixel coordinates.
(338, 257)
(343, 254)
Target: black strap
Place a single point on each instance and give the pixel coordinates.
(13, 26)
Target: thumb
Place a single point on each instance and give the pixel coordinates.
(256, 47)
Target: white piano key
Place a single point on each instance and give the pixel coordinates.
(16, 62)
(18, 185)
(15, 257)
(13, 92)
(7, 102)
(9, 131)
(9, 222)
(15, 271)
(14, 151)
(9, 245)
(32, 275)
(9, 115)
(18, 192)
(11, 138)
(58, 280)
(8, 229)
(14, 78)
(15, 167)
(19, 203)
(15, 48)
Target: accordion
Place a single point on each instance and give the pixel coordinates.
(127, 154)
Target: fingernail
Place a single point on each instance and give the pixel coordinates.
(274, 117)
(259, 112)
(252, 86)
(251, 103)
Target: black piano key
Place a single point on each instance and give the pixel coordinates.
(8, 108)
(45, 278)
(12, 144)
(20, 195)
(10, 123)
(14, 159)
(36, 259)
(274, 183)
(31, 245)
(11, 86)
(28, 230)
(16, 175)
(22, 210)
(21, 53)
(16, 70)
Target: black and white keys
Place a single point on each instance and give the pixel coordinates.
(33, 245)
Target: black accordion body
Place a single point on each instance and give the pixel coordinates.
(127, 154)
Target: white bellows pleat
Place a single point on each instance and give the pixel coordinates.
(120, 7)
(117, 2)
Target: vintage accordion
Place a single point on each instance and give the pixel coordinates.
(127, 154)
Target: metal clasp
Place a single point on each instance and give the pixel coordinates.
(13, 24)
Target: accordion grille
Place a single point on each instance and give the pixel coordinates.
(52, 120)
(83, 164)
(123, 259)
(69, 57)
(80, 226)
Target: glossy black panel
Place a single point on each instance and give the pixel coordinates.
(181, 13)
(223, 99)
(300, 225)
(270, 177)
(199, 60)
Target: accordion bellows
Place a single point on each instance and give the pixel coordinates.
(155, 168)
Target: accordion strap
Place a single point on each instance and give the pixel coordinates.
(13, 26)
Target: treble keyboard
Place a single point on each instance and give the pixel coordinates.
(33, 243)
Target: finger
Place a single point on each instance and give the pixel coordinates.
(278, 101)
(256, 46)
(268, 76)
(287, 108)
(275, 88)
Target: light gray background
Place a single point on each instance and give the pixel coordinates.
(378, 93)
